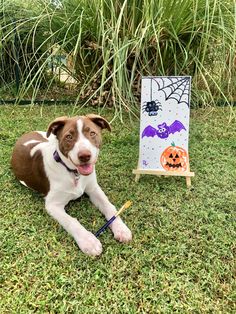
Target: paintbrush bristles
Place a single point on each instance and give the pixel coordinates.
(125, 206)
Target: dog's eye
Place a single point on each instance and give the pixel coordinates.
(92, 133)
(69, 137)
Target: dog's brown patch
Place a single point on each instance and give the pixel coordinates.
(67, 136)
(27, 168)
(92, 132)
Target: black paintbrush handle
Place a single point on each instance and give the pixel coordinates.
(105, 226)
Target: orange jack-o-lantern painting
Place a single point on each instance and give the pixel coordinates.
(174, 158)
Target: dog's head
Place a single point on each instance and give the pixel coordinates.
(79, 139)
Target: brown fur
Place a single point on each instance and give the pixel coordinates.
(89, 128)
(69, 129)
(30, 169)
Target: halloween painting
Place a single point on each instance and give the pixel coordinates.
(164, 123)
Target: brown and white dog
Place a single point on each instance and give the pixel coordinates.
(60, 164)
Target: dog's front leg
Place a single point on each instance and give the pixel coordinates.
(99, 199)
(86, 241)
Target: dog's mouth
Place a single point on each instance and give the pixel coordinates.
(85, 169)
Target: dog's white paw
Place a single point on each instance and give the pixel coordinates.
(89, 244)
(121, 232)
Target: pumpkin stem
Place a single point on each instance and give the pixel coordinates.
(173, 144)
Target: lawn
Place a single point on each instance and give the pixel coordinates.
(182, 257)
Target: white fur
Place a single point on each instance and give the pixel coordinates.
(31, 142)
(22, 182)
(64, 189)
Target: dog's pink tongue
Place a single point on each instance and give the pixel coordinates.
(85, 170)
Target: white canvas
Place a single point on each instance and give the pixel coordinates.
(164, 123)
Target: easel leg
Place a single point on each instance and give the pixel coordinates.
(137, 177)
(188, 181)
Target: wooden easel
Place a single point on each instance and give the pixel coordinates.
(168, 92)
(187, 174)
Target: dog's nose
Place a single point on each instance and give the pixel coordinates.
(84, 156)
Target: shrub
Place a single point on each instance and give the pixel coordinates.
(111, 44)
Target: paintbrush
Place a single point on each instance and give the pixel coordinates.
(103, 228)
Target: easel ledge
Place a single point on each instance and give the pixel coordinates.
(186, 174)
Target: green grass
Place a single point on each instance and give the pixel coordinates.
(182, 257)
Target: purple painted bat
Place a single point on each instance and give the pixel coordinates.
(163, 130)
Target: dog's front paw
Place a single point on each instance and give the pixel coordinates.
(121, 231)
(89, 244)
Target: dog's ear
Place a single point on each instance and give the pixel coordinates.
(56, 125)
(100, 121)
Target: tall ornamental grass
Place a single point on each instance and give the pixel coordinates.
(111, 44)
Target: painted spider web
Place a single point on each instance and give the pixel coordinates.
(175, 88)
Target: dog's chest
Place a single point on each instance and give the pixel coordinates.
(72, 186)
(67, 187)
(77, 186)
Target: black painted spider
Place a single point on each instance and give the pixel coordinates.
(152, 107)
